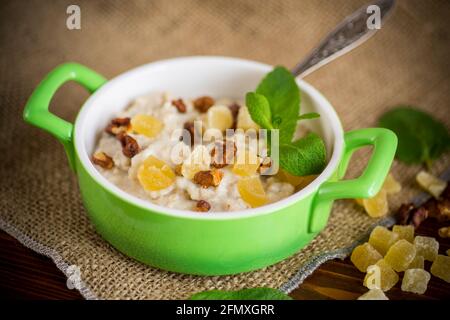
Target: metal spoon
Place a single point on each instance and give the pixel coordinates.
(349, 34)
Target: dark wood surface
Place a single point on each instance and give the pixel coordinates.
(25, 274)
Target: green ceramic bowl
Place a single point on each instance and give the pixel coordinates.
(214, 243)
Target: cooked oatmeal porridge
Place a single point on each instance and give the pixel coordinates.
(148, 152)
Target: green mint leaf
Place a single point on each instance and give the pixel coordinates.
(303, 157)
(310, 115)
(421, 138)
(244, 294)
(283, 94)
(259, 109)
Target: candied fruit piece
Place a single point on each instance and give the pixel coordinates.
(247, 163)
(382, 239)
(154, 174)
(415, 280)
(427, 247)
(391, 185)
(198, 160)
(219, 117)
(244, 120)
(365, 255)
(417, 263)
(376, 206)
(448, 252)
(252, 191)
(146, 125)
(380, 276)
(374, 294)
(404, 232)
(441, 267)
(400, 255)
(431, 184)
(298, 182)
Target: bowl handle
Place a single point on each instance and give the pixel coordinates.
(367, 185)
(36, 110)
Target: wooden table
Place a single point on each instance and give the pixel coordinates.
(25, 274)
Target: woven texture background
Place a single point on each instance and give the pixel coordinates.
(406, 62)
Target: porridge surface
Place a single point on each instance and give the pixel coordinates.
(184, 191)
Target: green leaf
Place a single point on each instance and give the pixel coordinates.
(310, 115)
(421, 138)
(244, 294)
(281, 90)
(259, 109)
(305, 156)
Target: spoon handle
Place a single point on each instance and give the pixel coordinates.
(349, 34)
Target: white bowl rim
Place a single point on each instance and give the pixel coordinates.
(331, 167)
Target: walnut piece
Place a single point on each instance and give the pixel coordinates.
(130, 147)
(103, 160)
(202, 104)
(118, 126)
(209, 178)
(202, 206)
(223, 153)
(179, 104)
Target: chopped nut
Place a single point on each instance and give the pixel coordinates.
(179, 104)
(103, 160)
(234, 108)
(202, 206)
(444, 232)
(265, 165)
(178, 169)
(209, 178)
(194, 132)
(220, 156)
(202, 104)
(118, 126)
(130, 147)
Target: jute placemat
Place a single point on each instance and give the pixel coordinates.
(406, 62)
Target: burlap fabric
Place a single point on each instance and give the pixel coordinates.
(406, 62)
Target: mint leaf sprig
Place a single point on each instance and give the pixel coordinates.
(276, 105)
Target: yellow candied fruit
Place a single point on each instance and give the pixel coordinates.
(431, 184)
(391, 185)
(244, 120)
(297, 181)
(219, 117)
(146, 125)
(377, 206)
(246, 164)
(154, 174)
(252, 191)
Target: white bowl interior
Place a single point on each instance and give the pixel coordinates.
(188, 78)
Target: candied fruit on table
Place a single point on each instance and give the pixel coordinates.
(380, 276)
(364, 256)
(146, 125)
(415, 280)
(373, 294)
(391, 185)
(376, 206)
(154, 174)
(382, 239)
(417, 263)
(427, 247)
(431, 184)
(252, 191)
(441, 267)
(404, 232)
(400, 255)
